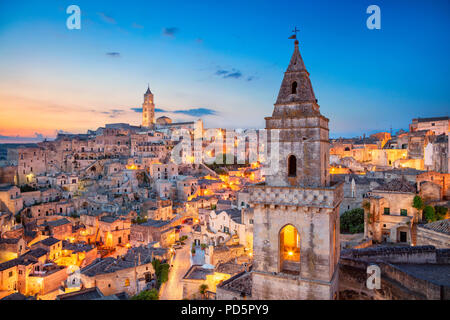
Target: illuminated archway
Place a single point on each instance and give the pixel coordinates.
(289, 249)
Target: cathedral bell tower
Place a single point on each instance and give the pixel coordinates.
(148, 109)
(296, 211)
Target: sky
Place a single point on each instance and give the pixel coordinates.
(222, 61)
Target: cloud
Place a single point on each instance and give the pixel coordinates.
(197, 112)
(113, 113)
(236, 75)
(107, 18)
(233, 73)
(139, 110)
(193, 112)
(113, 54)
(170, 32)
(137, 26)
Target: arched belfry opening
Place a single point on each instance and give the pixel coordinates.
(292, 166)
(289, 249)
(294, 87)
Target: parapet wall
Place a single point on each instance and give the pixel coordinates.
(422, 254)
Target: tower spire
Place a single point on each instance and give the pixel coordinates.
(296, 86)
(148, 89)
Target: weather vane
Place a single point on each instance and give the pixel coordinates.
(294, 36)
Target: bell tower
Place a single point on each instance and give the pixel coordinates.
(148, 109)
(303, 131)
(296, 211)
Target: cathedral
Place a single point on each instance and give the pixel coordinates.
(296, 210)
(148, 110)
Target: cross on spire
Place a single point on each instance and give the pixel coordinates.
(294, 36)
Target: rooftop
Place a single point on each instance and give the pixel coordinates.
(435, 273)
(397, 185)
(84, 294)
(442, 226)
(241, 282)
(197, 272)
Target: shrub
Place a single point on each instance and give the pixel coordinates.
(429, 213)
(161, 271)
(147, 295)
(441, 212)
(352, 221)
(202, 289)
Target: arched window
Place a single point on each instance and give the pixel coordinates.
(292, 166)
(289, 249)
(294, 87)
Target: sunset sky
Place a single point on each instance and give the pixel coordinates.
(222, 61)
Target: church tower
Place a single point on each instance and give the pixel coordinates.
(148, 109)
(296, 211)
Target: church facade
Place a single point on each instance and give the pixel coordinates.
(296, 211)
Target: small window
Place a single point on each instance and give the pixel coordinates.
(292, 166)
(387, 211)
(294, 87)
(127, 282)
(403, 212)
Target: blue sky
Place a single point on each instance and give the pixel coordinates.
(221, 59)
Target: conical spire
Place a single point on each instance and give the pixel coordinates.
(296, 63)
(296, 86)
(148, 90)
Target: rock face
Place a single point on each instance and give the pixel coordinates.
(296, 212)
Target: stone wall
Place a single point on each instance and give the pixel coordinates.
(8, 174)
(395, 283)
(430, 237)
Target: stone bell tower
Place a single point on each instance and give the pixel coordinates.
(148, 109)
(296, 211)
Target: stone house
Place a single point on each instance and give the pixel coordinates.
(130, 273)
(10, 199)
(153, 230)
(12, 248)
(391, 217)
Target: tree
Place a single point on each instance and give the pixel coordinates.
(441, 212)
(146, 295)
(161, 271)
(352, 221)
(418, 203)
(202, 289)
(430, 214)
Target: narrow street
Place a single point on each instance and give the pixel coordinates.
(173, 289)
